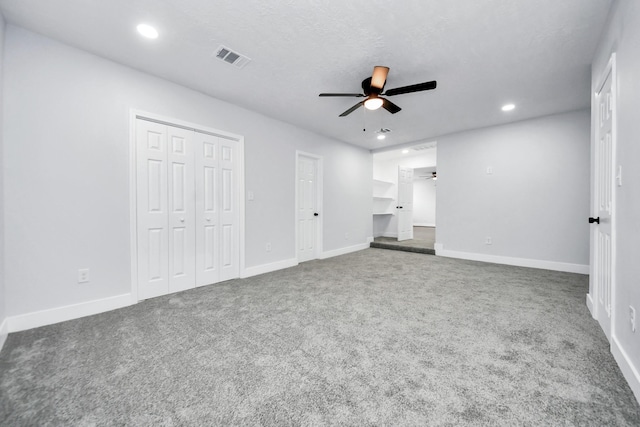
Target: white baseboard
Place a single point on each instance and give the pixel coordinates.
(69, 312)
(268, 268)
(344, 251)
(590, 305)
(390, 235)
(520, 262)
(629, 371)
(423, 224)
(4, 331)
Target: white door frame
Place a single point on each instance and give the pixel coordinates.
(170, 121)
(319, 181)
(592, 301)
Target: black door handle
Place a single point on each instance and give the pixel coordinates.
(398, 207)
(592, 220)
(316, 214)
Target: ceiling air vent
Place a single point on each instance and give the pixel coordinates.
(233, 58)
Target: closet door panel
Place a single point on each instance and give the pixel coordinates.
(229, 214)
(152, 209)
(181, 218)
(207, 209)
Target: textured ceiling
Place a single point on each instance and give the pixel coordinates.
(483, 53)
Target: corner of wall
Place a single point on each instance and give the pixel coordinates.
(3, 308)
(4, 331)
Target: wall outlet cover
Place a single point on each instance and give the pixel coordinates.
(83, 275)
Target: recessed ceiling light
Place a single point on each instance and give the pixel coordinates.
(381, 136)
(405, 151)
(508, 107)
(147, 31)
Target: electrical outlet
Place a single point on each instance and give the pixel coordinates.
(83, 275)
(269, 247)
(632, 318)
(489, 170)
(488, 241)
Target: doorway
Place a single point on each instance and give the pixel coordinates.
(404, 198)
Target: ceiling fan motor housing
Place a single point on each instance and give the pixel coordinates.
(368, 89)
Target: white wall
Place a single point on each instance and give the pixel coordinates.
(424, 202)
(622, 35)
(3, 308)
(535, 204)
(387, 170)
(67, 165)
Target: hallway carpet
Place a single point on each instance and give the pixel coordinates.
(423, 241)
(369, 338)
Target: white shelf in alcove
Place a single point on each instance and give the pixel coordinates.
(383, 213)
(379, 181)
(383, 198)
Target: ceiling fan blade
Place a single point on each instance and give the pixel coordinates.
(379, 77)
(411, 88)
(352, 109)
(357, 95)
(390, 106)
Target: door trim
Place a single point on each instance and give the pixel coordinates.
(592, 302)
(135, 114)
(319, 180)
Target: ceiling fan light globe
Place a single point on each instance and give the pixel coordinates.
(373, 103)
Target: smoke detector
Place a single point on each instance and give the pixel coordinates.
(231, 57)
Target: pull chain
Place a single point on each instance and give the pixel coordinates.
(364, 121)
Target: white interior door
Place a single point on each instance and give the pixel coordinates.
(152, 224)
(207, 210)
(217, 210)
(405, 203)
(602, 243)
(229, 211)
(307, 207)
(181, 189)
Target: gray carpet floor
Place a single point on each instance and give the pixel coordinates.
(423, 241)
(371, 338)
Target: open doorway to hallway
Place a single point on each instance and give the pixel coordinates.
(404, 198)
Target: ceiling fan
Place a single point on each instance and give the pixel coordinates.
(372, 88)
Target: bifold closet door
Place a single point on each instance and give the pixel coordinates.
(217, 215)
(187, 209)
(165, 209)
